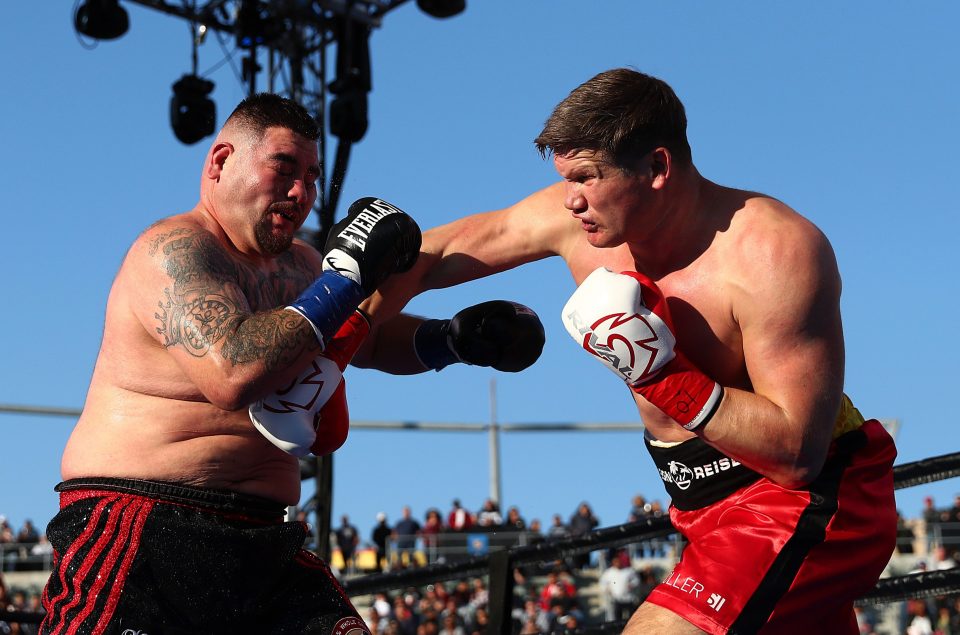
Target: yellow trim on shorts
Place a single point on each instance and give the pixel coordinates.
(849, 418)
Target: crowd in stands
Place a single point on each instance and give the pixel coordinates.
(547, 598)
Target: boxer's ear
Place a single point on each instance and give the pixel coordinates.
(217, 159)
(661, 165)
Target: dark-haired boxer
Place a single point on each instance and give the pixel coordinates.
(179, 471)
(719, 309)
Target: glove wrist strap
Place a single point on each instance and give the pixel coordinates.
(432, 345)
(327, 303)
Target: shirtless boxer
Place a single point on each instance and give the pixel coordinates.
(175, 478)
(719, 308)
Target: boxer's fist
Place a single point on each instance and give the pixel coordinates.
(310, 414)
(623, 320)
(373, 241)
(506, 336)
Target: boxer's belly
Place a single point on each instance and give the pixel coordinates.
(128, 435)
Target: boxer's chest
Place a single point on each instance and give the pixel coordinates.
(269, 289)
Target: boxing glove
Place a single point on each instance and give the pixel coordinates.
(310, 415)
(623, 320)
(506, 336)
(373, 241)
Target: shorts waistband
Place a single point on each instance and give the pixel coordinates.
(696, 474)
(216, 500)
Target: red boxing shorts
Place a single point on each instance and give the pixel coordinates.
(767, 559)
(133, 556)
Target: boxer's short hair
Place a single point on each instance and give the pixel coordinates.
(621, 113)
(266, 110)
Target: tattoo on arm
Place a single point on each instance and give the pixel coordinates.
(197, 315)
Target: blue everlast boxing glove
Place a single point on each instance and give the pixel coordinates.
(373, 241)
(503, 335)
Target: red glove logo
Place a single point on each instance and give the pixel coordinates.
(628, 343)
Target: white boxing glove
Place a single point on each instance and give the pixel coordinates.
(623, 320)
(286, 418)
(310, 415)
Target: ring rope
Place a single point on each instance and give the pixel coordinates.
(894, 589)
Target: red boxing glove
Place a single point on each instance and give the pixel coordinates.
(310, 414)
(623, 320)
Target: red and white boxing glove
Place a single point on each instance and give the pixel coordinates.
(310, 415)
(623, 320)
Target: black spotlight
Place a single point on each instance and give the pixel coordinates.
(192, 114)
(442, 8)
(101, 19)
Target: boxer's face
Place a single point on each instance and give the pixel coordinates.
(608, 203)
(272, 185)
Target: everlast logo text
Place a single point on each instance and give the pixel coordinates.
(359, 228)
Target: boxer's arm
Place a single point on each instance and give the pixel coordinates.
(793, 348)
(500, 334)
(477, 246)
(466, 249)
(184, 289)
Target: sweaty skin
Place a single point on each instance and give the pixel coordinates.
(195, 329)
(752, 286)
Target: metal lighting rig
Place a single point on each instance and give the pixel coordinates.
(287, 42)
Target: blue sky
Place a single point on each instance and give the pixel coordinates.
(846, 111)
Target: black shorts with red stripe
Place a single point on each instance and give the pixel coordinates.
(133, 556)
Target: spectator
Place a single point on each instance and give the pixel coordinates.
(480, 596)
(582, 523)
(489, 517)
(459, 519)
(405, 616)
(514, 521)
(432, 527)
(535, 531)
(558, 529)
(919, 623)
(639, 509)
(943, 558)
(347, 541)
(428, 627)
(379, 536)
(375, 623)
(534, 619)
(34, 605)
(28, 535)
(905, 536)
(950, 529)
(5, 627)
(481, 622)
(558, 590)
(932, 517)
(620, 585)
(383, 606)
(451, 626)
(405, 534)
(6, 531)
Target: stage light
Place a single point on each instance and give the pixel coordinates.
(255, 25)
(442, 8)
(193, 115)
(101, 19)
(348, 109)
(348, 116)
